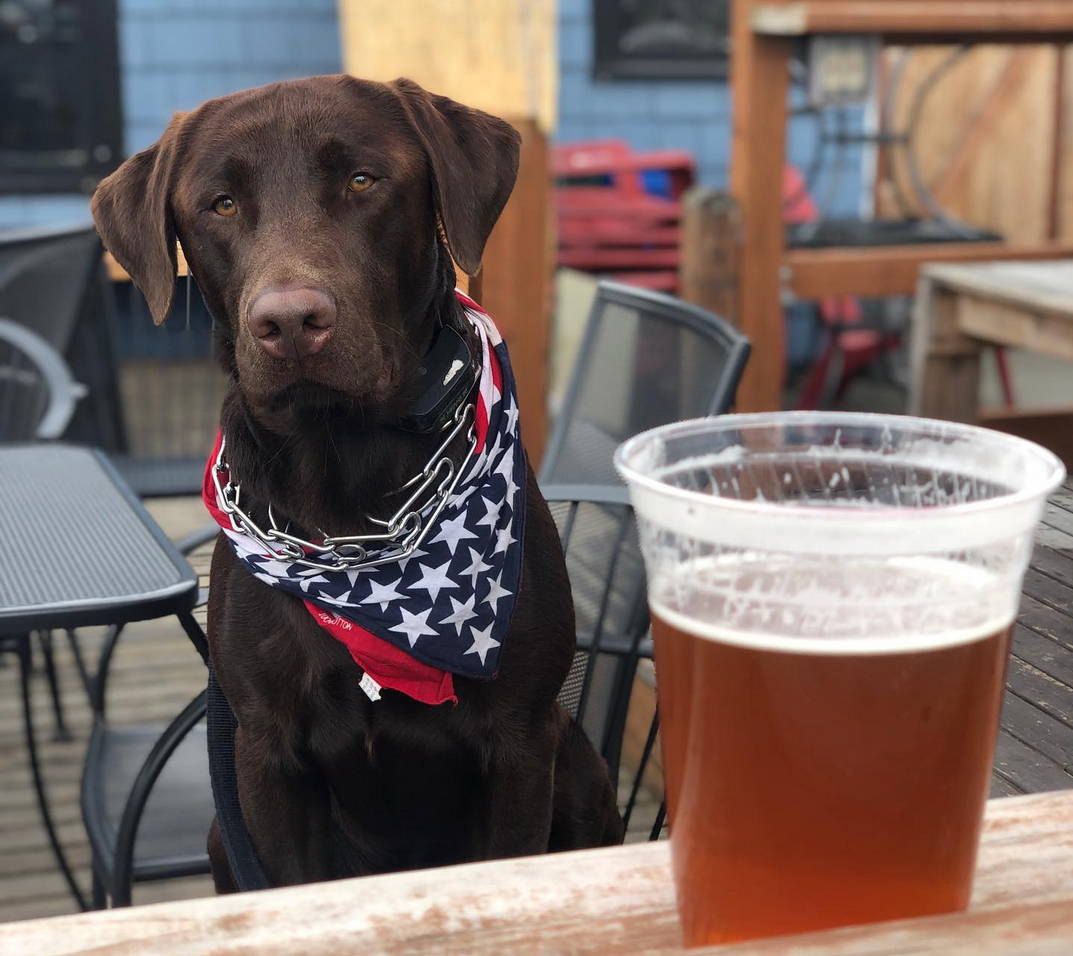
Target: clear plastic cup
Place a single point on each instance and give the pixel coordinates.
(832, 598)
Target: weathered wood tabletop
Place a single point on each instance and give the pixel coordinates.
(616, 900)
(959, 309)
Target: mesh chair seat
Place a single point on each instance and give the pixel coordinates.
(586, 454)
(172, 831)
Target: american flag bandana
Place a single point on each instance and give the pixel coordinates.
(446, 608)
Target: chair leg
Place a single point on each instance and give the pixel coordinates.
(642, 766)
(100, 898)
(657, 827)
(60, 733)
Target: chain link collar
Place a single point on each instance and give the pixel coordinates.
(402, 533)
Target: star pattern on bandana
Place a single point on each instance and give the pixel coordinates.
(483, 642)
(415, 625)
(382, 594)
(450, 601)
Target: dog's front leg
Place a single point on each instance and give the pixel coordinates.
(287, 811)
(520, 796)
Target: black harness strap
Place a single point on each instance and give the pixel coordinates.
(241, 856)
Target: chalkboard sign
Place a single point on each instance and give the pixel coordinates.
(661, 39)
(60, 122)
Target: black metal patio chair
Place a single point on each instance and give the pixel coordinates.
(154, 394)
(38, 395)
(52, 281)
(146, 797)
(604, 691)
(645, 359)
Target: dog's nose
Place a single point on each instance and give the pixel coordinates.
(291, 323)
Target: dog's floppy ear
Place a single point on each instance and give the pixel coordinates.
(132, 210)
(474, 160)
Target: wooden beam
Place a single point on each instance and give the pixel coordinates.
(759, 71)
(711, 229)
(1000, 20)
(516, 281)
(945, 378)
(999, 324)
(892, 270)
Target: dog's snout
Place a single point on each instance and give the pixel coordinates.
(294, 322)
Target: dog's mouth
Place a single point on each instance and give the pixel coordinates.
(308, 396)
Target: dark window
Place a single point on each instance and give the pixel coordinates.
(60, 119)
(661, 39)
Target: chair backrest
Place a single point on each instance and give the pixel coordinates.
(610, 689)
(37, 393)
(52, 282)
(646, 359)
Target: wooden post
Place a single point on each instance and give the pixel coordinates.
(759, 71)
(711, 239)
(945, 362)
(515, 283)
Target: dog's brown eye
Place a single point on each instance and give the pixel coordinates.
(359, 182)
(225, 206)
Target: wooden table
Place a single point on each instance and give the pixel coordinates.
(765, 34)
(962, 308)
(616, 900)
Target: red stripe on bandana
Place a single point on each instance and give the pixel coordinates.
(480, 412)
(386, 664)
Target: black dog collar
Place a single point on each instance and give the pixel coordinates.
(447, 376)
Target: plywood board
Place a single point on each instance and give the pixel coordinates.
(498, 56)
(985, 136)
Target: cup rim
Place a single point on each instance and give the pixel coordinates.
(1055, 471)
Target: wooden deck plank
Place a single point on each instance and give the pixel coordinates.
(1044, 653)
(1024, 766)
(1049, 591)
(1041, 690)
(1045, 734)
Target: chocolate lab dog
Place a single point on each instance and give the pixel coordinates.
(320, 218)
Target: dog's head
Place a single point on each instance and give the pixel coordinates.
(313, 214)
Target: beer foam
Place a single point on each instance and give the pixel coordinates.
(798, 606)
(757, 482)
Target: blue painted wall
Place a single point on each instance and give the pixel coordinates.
(672, 114)
(176, 53)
